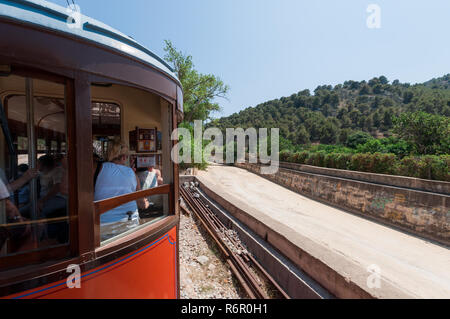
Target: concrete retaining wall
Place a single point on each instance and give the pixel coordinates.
(423, 213)
(390, 180)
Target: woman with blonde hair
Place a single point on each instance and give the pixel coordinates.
(116, 179)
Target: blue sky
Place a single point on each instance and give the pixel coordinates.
(268, 49)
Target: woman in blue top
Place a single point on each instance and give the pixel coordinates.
(116, 179)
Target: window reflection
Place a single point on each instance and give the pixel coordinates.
(151, 214)
(33, 170)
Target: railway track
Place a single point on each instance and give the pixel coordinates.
(242, 263)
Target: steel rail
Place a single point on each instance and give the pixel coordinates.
(242, 268)
(220, 228)
(219, 243)
(237, 267)
(239, 259)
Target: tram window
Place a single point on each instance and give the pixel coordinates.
(41, 145)
(54, 146)
(142, 212)
(106, 125)
(116, 178)
(113, 127)
(33, 170)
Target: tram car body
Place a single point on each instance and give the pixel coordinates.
(69, 86)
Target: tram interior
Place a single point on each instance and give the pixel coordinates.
(142, 120)
(35, 168)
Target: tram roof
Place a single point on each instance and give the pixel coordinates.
(54, 17)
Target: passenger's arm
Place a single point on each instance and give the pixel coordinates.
(11, 211)
(14, 216)
(141, 202)
(25, 178)
(159, 178)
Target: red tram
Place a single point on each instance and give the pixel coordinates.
(67, 90)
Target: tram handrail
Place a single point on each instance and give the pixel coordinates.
(102, 206)
(38, 221)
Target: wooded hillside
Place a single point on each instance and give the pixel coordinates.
(330, 114)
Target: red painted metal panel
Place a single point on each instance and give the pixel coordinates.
(147, 273)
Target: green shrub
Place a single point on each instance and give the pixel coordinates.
(361, 162)
(439, 168)
(343, 160)
(303, 157)
(330, 160)
(408, 166)
(427, 167)
(292, 157)
(317, 158)
(358, 138)
(284, 155)
(384, 163)
(393, 145)
(397, 146)
(298, 157)
(371, 146)
(330, 148)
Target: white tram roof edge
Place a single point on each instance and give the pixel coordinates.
(57, 18)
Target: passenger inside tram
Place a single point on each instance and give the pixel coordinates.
(142, 121)
(23, 192)
(33, 147)
(33, 141)
(52, 204)
(54, 193)
(97, 164)
(150, 177)
(116, 179)
(20, 188)
(50, 180)
(17, 235)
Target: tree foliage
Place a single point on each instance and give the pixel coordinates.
(357, 138)
(429, 133)
(200, 91)
(332, 114)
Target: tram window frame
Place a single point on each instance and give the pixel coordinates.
(57, 253)
(166, 189)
